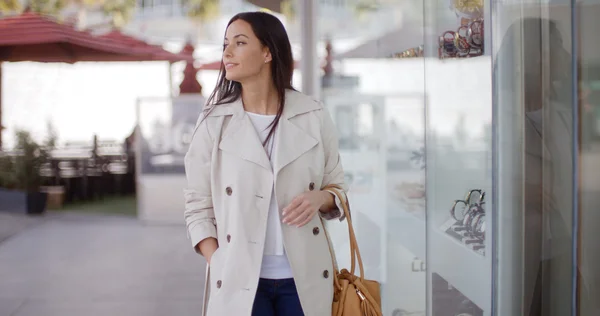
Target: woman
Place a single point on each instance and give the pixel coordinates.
(259, 155)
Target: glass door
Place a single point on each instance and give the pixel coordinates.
(372, 83)
(540, 136)
(458, 72)
(588, 113)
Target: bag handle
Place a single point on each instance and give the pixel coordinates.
(354, 251)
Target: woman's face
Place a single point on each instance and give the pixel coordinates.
(244, 56)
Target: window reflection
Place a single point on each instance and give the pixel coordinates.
(418, 247)
(535, 50)
(589, 114)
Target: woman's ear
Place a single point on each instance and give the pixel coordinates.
(267, 55)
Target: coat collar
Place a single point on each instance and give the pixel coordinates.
(240, 137)
(296, 103)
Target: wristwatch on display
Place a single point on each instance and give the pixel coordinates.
(461, 41)
(447, 43)
(475, 33)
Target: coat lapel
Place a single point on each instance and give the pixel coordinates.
(240, 138)
(292, 141)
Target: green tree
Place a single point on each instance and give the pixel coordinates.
(10, 6)
(288, 9)
(22, 172)
(52, 7)
(51, 139)
(120, 11)
(203, 10)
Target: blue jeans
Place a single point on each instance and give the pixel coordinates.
(277, 298)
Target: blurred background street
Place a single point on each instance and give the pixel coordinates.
(74, 264)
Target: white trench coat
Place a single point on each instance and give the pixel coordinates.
(230, 181)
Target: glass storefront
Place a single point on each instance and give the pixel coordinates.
(545, 105)
(469, 131)
(588, 199)
(534, 104)
(377, 101)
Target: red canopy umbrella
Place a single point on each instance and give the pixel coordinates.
(33, 37)
(141, 48)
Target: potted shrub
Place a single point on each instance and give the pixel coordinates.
(54, 191)
(20, 177)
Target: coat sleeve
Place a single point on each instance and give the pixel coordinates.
(334, 172)
(199, 213)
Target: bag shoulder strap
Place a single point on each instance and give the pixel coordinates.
(354, 251)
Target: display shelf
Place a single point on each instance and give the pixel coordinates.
(447, 300)
(409, 231)
(464, 268)
(457, 231)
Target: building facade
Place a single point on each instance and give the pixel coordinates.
(469, 134)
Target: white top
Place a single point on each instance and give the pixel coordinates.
(275, 264)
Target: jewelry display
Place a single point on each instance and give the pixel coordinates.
(466, 41)
(468, 225)
(409, 53)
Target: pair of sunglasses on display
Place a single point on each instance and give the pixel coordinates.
(470, 213)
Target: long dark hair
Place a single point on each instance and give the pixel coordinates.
(271, 33)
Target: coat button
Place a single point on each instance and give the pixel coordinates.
(228, 238)
(219, 283)
(316, 231)
(311, 186)
(325, 274)
(228, 190)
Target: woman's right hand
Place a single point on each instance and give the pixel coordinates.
(208, 247)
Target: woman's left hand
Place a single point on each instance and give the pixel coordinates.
(303, 207)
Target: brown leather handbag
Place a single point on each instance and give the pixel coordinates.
(352, 295)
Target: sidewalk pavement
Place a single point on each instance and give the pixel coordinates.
(12, 224)
(74, 265)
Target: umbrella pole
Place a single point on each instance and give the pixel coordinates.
(1, 127)
(171, 94)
